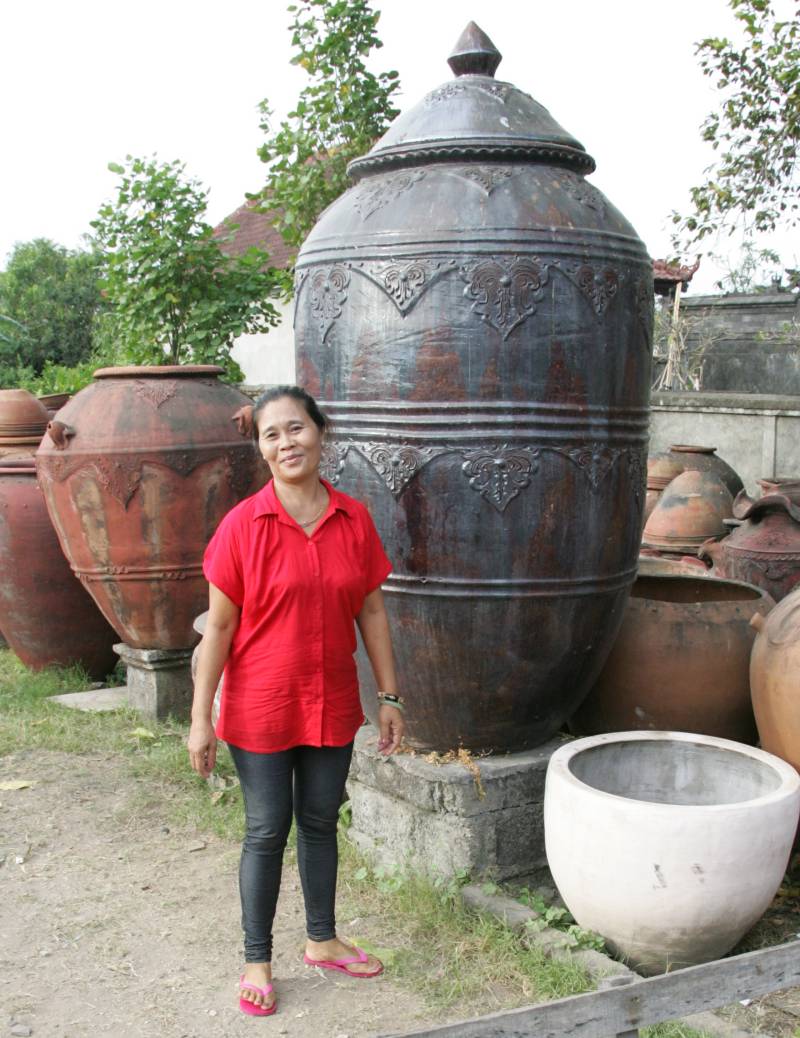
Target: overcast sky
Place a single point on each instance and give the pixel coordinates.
(88, 82)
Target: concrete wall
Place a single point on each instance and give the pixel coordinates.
(752, 342)
(758, 434)
(268, 359)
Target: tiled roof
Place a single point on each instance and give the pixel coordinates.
(255, 229)
(663, 271)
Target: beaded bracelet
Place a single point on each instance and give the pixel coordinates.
(387, 699)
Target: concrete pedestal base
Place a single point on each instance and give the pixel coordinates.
(432, 818)
(159, 680)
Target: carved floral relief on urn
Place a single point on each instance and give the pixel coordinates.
(476, 317)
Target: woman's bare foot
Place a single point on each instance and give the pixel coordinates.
(328, 951)
(259, 974)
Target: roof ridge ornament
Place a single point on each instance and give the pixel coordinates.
(474, 54)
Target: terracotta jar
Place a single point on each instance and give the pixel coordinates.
(775, 679)
(661, 470)
(54, 402)
(693, 508)
(137, 471)
(671, 846)
(476, 318)
(694, 458)
(23, 420)
(764, 548)
(681, 661)
(45, 614)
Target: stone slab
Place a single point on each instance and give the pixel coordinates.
(444, 819)
(96, 700)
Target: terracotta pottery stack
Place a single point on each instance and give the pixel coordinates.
(764, 548)
(23, 420)
(45, 614)
(681, 661)
(694, 458)
(137, 472)
(661, 470)
(691, 510)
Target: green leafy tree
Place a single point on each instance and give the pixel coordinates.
(753, 184)
(175, 296)
(49, 301)
(337, 118)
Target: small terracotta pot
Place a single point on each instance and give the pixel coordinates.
(23, 420)
(691, 510)
(774, 671)
(681, 661)
(694, 458)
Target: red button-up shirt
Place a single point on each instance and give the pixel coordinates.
(291, 678)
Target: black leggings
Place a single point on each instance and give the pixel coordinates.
(318, 774)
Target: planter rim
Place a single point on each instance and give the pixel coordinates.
(158, 371)
(761, 595)
(789, 778)
(690, 448)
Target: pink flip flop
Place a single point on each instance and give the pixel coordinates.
(250, 1007)
(342, 965)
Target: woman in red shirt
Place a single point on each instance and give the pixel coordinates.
(290, 569)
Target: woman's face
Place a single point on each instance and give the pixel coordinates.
(289, 440)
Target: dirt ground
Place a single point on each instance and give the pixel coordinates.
(113, 922)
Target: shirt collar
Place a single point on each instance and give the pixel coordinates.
(267, 502)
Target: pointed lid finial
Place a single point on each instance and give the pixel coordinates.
(474, 54)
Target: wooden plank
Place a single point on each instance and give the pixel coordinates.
(640, 1004)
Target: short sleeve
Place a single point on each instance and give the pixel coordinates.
(377, 566)
(222, 562)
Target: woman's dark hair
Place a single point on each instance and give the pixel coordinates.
(322, 422)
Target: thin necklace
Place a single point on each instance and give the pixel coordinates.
(309, 522)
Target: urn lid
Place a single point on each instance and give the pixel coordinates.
(474, 116)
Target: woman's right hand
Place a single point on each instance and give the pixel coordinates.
(202, 747)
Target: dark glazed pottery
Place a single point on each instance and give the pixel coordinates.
(45, 614)
(476, 318)
(137, 470)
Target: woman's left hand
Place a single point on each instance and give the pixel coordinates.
(391, 727)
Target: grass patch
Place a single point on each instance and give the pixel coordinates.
(447, 953)
(155, 751)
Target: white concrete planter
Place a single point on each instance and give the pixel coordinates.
(670, 845)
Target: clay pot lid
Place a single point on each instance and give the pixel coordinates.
(21, 414)
(159, 371)
(691, 510)
(691, 448)
(474, 117)
(661, 470)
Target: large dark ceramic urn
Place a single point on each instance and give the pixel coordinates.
(476, 318)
